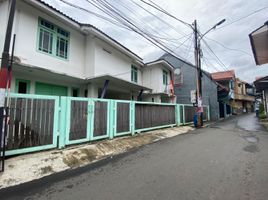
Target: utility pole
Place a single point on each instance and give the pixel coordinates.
(4, 74)
(198, 74)
(198, 37)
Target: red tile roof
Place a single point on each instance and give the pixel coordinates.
(225, 75)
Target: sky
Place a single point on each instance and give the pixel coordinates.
(229, 42)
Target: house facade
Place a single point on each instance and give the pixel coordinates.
(243, 101)
(235, 96)
(225, 81)
(56, 55)
(185, 82)
(261, 85)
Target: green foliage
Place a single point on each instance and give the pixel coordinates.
(261, 110)
(262, 116)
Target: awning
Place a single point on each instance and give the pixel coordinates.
(116, 83)
(259, 44)
(261, 84)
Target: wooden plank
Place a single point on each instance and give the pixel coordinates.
(123, 120)
(78, 123)
(100, 118)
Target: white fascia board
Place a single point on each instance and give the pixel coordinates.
(103, 37)
(166, 64)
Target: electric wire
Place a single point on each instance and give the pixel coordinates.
(241, 18)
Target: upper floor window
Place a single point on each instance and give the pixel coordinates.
(134, 74)
(232, 84)
(165, 77)
(53, 40)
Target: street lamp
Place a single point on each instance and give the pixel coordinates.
(198, 38)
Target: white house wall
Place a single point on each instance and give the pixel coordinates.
(153, 77)
(110, 61)
(4, 8)
(26, 28)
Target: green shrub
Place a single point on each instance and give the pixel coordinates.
(261, 108)
(262, 116)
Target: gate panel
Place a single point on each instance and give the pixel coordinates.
(32, 124)
(100, 119)
(78, 127)
(123, 118)
(189, 112)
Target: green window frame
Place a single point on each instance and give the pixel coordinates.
(134, 74)
(17, 86)
(165, 77)
(53, 40)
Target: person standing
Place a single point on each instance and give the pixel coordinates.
(257, 107)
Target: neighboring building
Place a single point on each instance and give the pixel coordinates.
(158, 76)
(261, 85)
(185, 81)
(243, 100)
(259, 44)
(56, 55)
(225, 93)
(235, 96)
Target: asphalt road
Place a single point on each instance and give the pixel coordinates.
(227, 161)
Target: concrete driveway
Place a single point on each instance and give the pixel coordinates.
(227, 161)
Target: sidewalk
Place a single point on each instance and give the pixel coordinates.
(29, 167)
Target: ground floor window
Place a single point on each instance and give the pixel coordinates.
(75, 92)
(23, 86)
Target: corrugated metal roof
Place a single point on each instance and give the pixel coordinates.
(225, 75)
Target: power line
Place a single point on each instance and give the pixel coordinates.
(157, 7)
(160, 19)
(241, 18)
(116, 14)
(216, 58)
(232, 49)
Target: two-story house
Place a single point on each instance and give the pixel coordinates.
(57, 55)
(225, 81)
(185, 82)
(243, 101)
(234, 95)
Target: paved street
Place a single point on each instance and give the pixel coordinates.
(227, 161)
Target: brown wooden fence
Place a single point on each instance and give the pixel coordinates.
(153, 115)
(31, 123)
(78, 122)
(123, 117)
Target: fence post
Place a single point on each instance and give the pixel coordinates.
(132, 119)
(62, 124)
(208, 113)
(183, 114)
(112, 119)
(178, 114)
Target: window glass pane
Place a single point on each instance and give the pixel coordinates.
(63, 32)
(40, 40)
(165, 77)
(134, 74)
(47, 24)
(62, 47)
(45, 41)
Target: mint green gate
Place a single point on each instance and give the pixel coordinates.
(123, 117)
(33, 123)
(86, 119)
